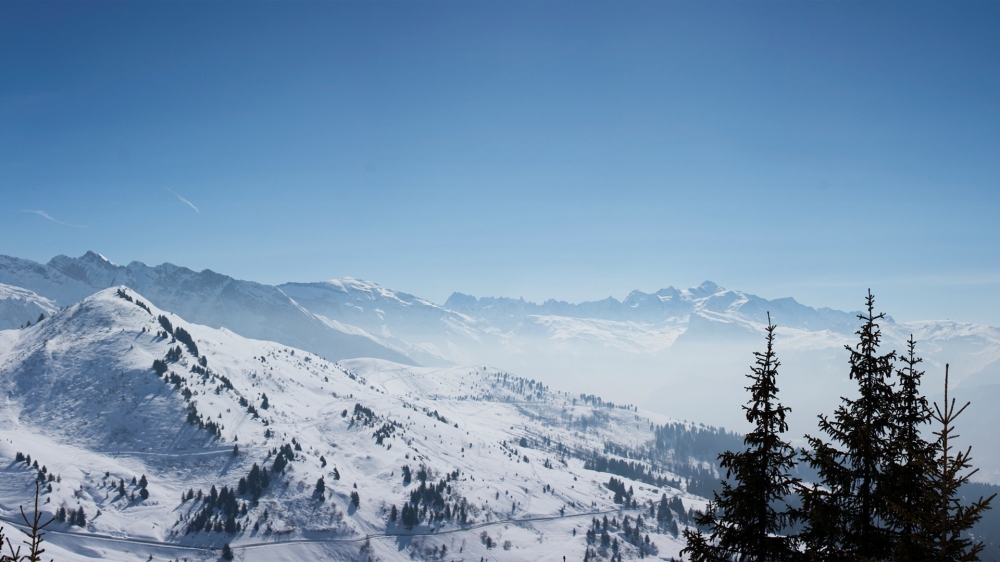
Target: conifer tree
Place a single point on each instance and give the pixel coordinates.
(943, 522)
(845, 512)
(913, 456)
(746, 520)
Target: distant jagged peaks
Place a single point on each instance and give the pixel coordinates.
(707, 298)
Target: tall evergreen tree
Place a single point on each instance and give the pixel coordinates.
(845, 512)
(943, 522)
(746, 520)
(913, 456)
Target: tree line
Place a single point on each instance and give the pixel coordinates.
(887, 472)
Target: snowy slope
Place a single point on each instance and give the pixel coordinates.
(251, 309)
(20, 306)
(84, 402)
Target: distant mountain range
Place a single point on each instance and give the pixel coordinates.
(250, 309)
(681, 352)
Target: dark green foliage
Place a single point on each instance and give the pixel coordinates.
(227, 553)
(256, 481)
(410, 516)
(159, 367)
(166, 324)
(622, 496)
(355, 498)
(173, 354)
(846, 511)
(185, 338)
(281, 460)
(407, 476)
(388, 429)
(194, 418)
(745, 521)
(78, 518)
(363, 415)
(263, 403)
(320, 487)
(393, 514)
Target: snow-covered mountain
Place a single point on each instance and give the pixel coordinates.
(113, 387)
(251, 309)
(678, 352)
(19, 307)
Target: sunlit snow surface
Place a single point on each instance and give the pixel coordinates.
(81, 399)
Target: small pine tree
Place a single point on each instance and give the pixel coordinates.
(236, 450)
(320, 486)
(355, 498)
(227, 553)
(393, 514)
(942, 521)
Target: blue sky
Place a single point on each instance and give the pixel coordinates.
(562, 150)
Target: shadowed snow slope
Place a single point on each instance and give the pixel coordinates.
(20, 306)
(487, 452)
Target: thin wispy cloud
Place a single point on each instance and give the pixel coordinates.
(190, 204)
(45, 215)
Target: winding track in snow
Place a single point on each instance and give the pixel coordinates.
(149, 542)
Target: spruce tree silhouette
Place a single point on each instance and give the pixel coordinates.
(846, 512)
(746, 520)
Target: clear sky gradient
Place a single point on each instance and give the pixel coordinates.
(563, 150)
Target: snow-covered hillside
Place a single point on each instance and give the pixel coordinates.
(19, 307)
(500, 467)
